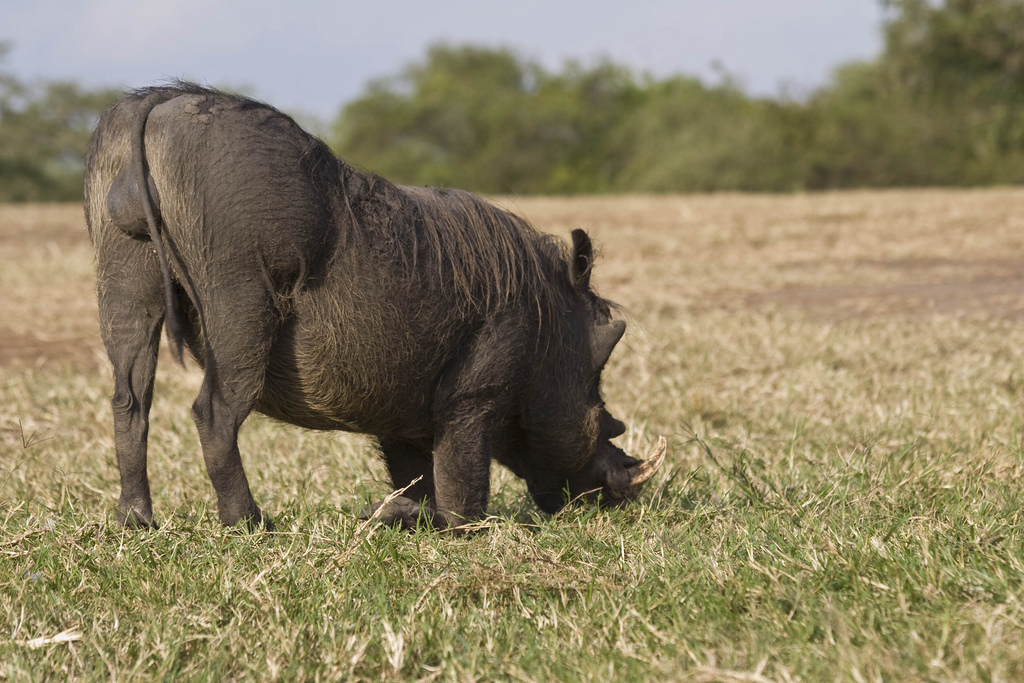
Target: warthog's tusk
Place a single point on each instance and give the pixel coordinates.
(646, 469)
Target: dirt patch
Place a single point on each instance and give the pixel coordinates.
(31, 350)
(62, 236)
(30, 224)
(992, 288)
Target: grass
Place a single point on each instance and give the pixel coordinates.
(840, 380)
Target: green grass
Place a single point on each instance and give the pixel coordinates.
(859, 549)
(841, 501)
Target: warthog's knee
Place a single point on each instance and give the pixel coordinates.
(123, 402)
(202, 413)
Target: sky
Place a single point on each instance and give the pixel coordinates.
(312, 56)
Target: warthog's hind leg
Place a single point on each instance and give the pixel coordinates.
(240, 326)
(131, 317)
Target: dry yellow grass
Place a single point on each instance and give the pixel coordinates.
(841, 253)
(852, 363)
(48, 309)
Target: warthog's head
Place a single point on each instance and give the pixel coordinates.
(610, 477)
(568, 428)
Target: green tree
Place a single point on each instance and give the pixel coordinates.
(44, 131)
(957, 49)
(865, 132)
(942, 105)
(960, 64)
(484, 119)
(691, 137)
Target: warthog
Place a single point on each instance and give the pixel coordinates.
(330, 298)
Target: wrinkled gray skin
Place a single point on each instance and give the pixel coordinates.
(332, 299)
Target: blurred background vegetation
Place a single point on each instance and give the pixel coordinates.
(941, 105)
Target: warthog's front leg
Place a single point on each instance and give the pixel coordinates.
(468, 410)
(462, 471)
(455, 483)
(412, 471)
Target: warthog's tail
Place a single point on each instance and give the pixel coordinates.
(175, 331)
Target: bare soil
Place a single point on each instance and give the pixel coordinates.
(25, 348)
(984, 288)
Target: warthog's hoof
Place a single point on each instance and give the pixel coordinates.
(256, 522)
(133, 519)
(409, 514)
(398, 511)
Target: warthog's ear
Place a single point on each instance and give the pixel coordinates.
(582, 259)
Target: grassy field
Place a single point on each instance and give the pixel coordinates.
(840, 379)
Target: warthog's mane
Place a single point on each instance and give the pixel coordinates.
(486, 257)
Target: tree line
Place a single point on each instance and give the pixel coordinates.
(940, 106)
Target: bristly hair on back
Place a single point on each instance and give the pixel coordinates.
(174, 87)
(488, 256)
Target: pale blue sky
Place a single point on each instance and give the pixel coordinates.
(313, 55)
